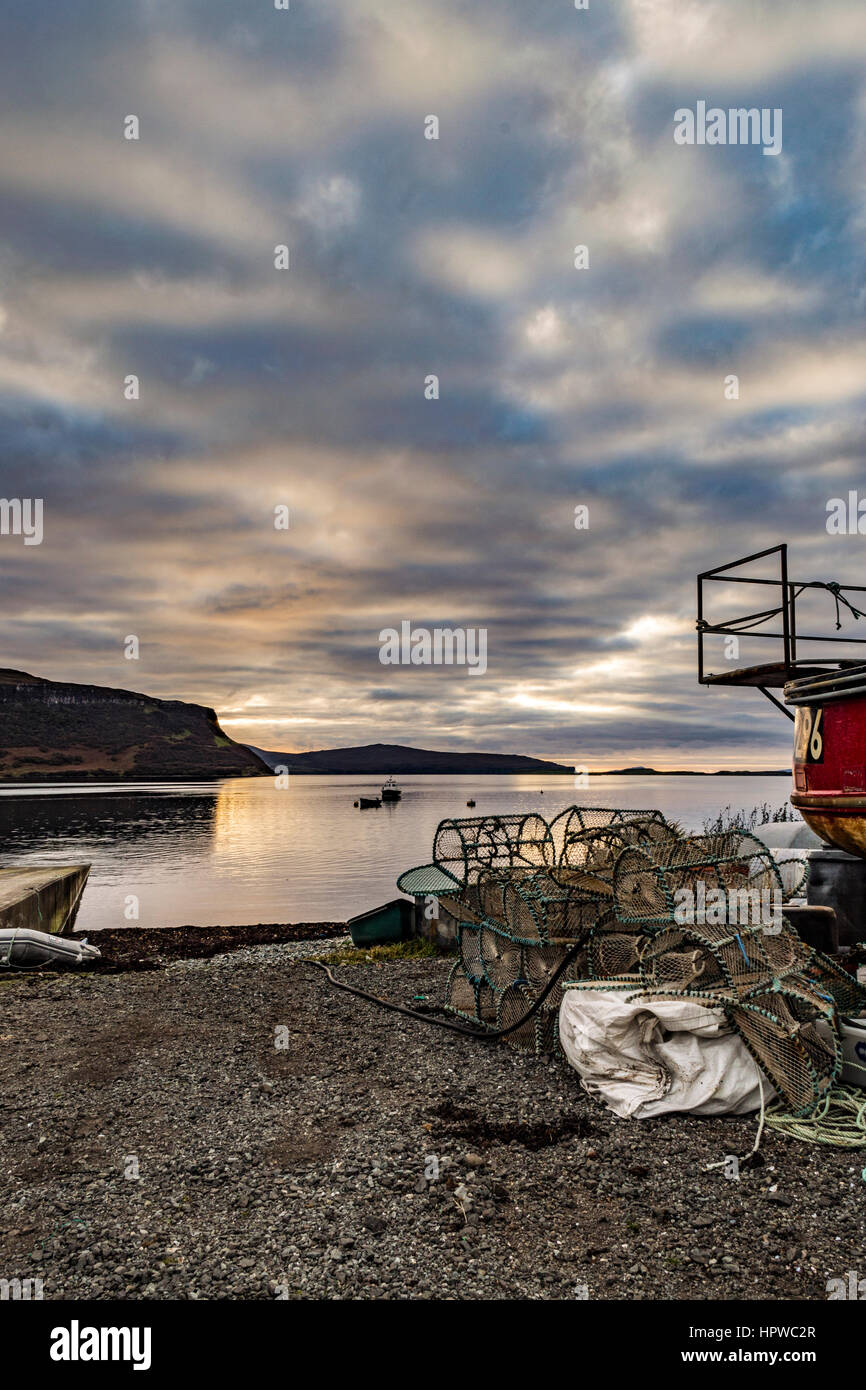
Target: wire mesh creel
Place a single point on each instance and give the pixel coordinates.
(525, 897)
(612, 882)
(652, 883)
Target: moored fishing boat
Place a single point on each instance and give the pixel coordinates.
(830, 755)
(390, 791)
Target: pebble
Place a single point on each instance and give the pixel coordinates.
(300, 1170)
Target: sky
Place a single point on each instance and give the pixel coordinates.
(601, 386)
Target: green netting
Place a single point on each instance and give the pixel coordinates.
(656, 912)
(464, 848)
(524, 895)
(538, 1034)
(658, 883)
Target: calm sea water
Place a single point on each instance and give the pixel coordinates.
(243, 851)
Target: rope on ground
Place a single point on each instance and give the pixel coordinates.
(757, 1144)
(839, 1120)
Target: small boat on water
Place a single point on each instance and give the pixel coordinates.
(366, 802)
(390, 791)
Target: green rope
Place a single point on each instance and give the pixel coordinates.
(839, 1120)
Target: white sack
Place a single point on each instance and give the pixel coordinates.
(647, 1059)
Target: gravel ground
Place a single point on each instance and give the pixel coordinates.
(307, 1170)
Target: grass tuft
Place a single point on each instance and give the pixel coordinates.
(729, 819)
(415, 949)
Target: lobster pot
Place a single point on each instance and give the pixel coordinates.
(742, 956)
(489, 893)
(551, 1004)
(550, 905)
(486, 1002)
(735, 958)
(547, 1032)
(512, 902)
(639, 894)
(695, 878)
(472, 1000)
(598, 850)
(624, 898)
(612, 953)
(590, 838)
(500, 958)
(568, 905)
(466, 847)
(794, 868)
(514, 1002)
(785, 951)
(460, 993)
(829, 979)
(577, 917)
(673, 960)
(574, 820)
(589, 864)
(461, 909)
(540, 964)
(801, 1060)
(655, 832)
(469, 951)
(532, 906)
(538, 1034)
(591, 852)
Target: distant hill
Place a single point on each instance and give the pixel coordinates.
(381, 759)
(53, 731)
(384, 758)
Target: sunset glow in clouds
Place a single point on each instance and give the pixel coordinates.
(409, 256)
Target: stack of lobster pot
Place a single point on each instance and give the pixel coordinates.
(528, 897)
(707, 918)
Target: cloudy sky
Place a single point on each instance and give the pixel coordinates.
(559, 387)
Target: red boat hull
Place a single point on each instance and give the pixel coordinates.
(830, 756)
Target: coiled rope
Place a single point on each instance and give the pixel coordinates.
(838, 1120)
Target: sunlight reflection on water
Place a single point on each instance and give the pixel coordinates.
(244, 851)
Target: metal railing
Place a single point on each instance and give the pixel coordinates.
(751, 625)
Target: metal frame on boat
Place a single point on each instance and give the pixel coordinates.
(824, 695)
(776, 674)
